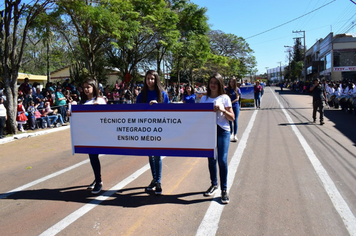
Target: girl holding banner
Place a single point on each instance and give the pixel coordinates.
(224, 114)
(91, 97)
(234, 93)
(153, 92)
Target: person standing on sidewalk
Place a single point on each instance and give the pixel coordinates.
(224, 114)
(3, 116)
(152, 93)
(61, 102)
(319, 96)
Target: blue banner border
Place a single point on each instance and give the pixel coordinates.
(139, 107)
(145, 151)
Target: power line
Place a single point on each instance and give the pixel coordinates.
(292, 20)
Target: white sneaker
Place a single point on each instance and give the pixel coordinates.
(235, 138)
(231, 137)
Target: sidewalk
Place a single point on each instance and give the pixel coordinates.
(32, 134)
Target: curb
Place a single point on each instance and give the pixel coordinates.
(29, 135)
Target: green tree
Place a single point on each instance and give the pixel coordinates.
(235, 48)
(192, 50)
(91, 24)
(151, 35)
(295, 67)
(12, 46)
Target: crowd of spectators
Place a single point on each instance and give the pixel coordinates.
(47, 107)
(340, 94)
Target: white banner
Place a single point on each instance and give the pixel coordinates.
(142, 129)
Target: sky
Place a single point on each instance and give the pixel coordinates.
(267, 26)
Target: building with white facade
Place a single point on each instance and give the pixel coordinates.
(332, 58)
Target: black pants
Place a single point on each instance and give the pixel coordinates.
(95, 164)
(318, 105)
(32, 122)
(2, 124)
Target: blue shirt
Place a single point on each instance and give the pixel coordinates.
(151, 95)
(233, 96)
(189, 98)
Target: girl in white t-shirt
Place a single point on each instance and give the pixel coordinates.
(91, 97)
(224, 114)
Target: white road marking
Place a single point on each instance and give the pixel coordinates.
(55, 229)
(339, 203)
(210, 223)
(42, 179)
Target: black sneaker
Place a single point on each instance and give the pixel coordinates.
(91, 186)
(211, 190)
(151, 186)
(224, 197)
(97, 188)
(322, 122)
(158, 189)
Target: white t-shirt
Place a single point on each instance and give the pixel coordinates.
(99, 100)
(2, 110)
(220, 117)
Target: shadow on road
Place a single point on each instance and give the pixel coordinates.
(129, 197)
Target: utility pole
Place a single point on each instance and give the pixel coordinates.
(280, 69)
(305, 52)
(289, 56)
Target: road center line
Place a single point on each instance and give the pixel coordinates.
(339, 203)
(210, 223)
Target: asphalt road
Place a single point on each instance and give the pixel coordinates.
(287, 176)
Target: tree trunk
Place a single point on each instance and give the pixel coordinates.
(11, 93)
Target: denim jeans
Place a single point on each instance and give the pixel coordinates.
(62, 110)
(223, 142)
(95, 164)
(54, 118)
(236, 111)
(156, 167)
(258, 99)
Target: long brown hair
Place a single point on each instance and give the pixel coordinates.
(220, 80)
(93, 83)
(158, 87)
(234, 86)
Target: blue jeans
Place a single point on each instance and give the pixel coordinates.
(156, 167)
(258, 99)
(95, 164)
(62, 110)
(223, 142)
(54, 118)
(236, 111)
